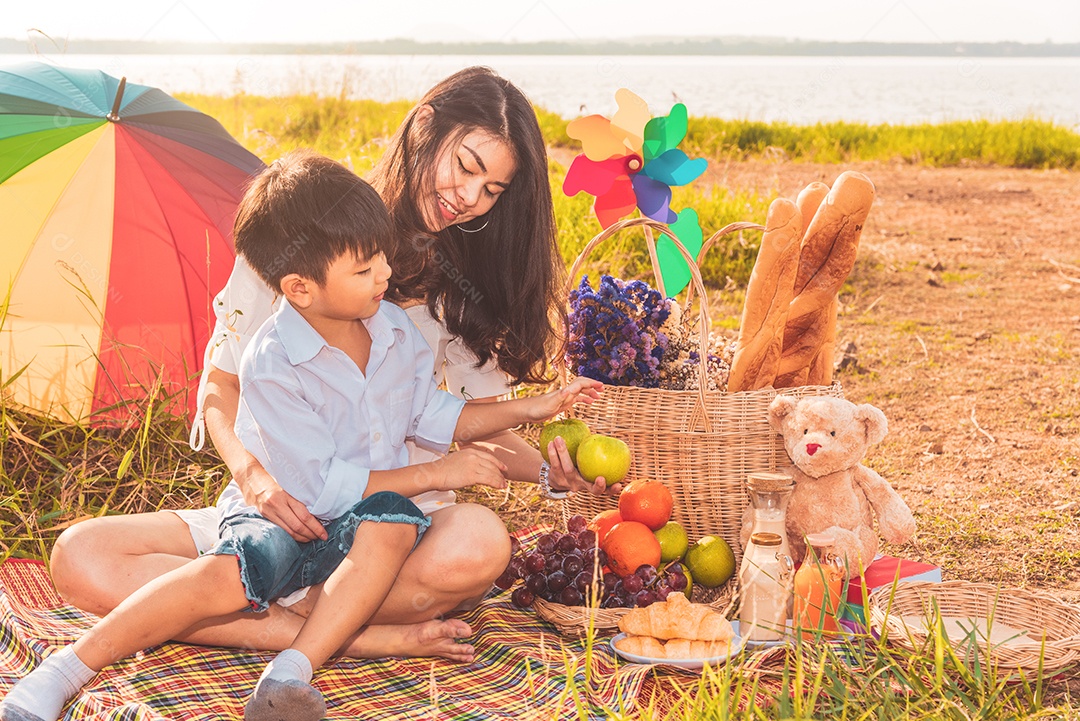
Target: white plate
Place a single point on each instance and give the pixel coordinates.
(789, 637)
(693, 664)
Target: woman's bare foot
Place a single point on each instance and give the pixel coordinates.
(413, 640)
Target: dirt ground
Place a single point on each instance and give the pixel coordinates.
(964, 317)
(962, 323)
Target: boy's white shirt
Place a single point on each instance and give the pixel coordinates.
(246, 302)
(319, 425)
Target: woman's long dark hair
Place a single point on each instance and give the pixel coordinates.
(499, 289)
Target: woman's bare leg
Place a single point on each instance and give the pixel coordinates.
(98, 563)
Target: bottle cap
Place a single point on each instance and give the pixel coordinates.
(770, 481)
(766, 539)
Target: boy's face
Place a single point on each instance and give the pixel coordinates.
(469, 178)
(353, 289)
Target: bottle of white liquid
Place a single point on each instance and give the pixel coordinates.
(769, 496)
(764, 588)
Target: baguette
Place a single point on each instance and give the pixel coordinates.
(768, 295)
(821, 368)
(809, 201)
(676, 648)
(826, 258)
(677, 618)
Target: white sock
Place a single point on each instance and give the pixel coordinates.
(284, 691)
(45, 690)
(289, 665)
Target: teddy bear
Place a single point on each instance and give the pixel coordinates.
(826, 438)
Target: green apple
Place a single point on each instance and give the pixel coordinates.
(603, 456)
(674, 542)
(571, 430)
(711, 561)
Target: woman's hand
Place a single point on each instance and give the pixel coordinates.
(470, 467)
(270, 500)
(565, 477)
(552, 403)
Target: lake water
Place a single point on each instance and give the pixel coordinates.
(798, 90)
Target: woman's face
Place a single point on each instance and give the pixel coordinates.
(470, 175)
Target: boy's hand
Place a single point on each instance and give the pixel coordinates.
(272, 502)
(580, 390)
(471, 467)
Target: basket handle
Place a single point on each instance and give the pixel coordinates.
(736, 227)
(695, 274)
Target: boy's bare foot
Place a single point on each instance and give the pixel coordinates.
(413, 640)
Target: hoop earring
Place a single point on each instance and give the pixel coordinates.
(463, 229)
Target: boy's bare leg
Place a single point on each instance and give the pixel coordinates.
(459, 556)
(98, 564)
(354, 591)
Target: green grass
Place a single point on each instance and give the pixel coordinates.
(860, 677)
(343, 128)
(1013, 143)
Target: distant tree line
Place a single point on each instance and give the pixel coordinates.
(715, 46)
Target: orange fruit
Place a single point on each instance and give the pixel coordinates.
(631, 544)
(604, 522)
(647, 502)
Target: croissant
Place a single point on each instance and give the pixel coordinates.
(677, 618)
(674, 648)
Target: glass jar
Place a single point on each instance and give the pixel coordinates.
(765, 588)
(769, 496)
(818, 584)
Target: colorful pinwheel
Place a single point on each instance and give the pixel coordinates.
(632, 161)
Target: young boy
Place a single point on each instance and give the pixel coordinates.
(331, 386)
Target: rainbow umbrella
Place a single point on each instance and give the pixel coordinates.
(117, 204)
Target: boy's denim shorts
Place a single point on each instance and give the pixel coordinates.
(273, 564)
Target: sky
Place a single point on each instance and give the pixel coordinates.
(529, 20)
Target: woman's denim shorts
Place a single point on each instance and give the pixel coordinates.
(273, 564)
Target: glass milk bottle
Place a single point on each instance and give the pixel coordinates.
(769, 496)
(765, 588)
(818, 583)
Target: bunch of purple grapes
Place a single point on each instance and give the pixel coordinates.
(561, 568)
(567, 568)
(645, 587)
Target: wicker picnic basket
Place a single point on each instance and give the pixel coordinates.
(1042, 634)
(701, 444)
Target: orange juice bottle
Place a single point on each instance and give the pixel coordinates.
(818, 583)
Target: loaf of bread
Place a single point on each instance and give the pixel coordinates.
(808, 202)
(676, 648)
(826, 257)
(821, 368)
(677, 618)
(768, 295)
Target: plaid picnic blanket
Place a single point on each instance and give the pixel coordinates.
(523, 669)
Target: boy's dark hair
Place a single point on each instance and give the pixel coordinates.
(305, 211)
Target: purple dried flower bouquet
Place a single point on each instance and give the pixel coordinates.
(625, 333)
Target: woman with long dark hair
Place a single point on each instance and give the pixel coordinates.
(478, 270)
